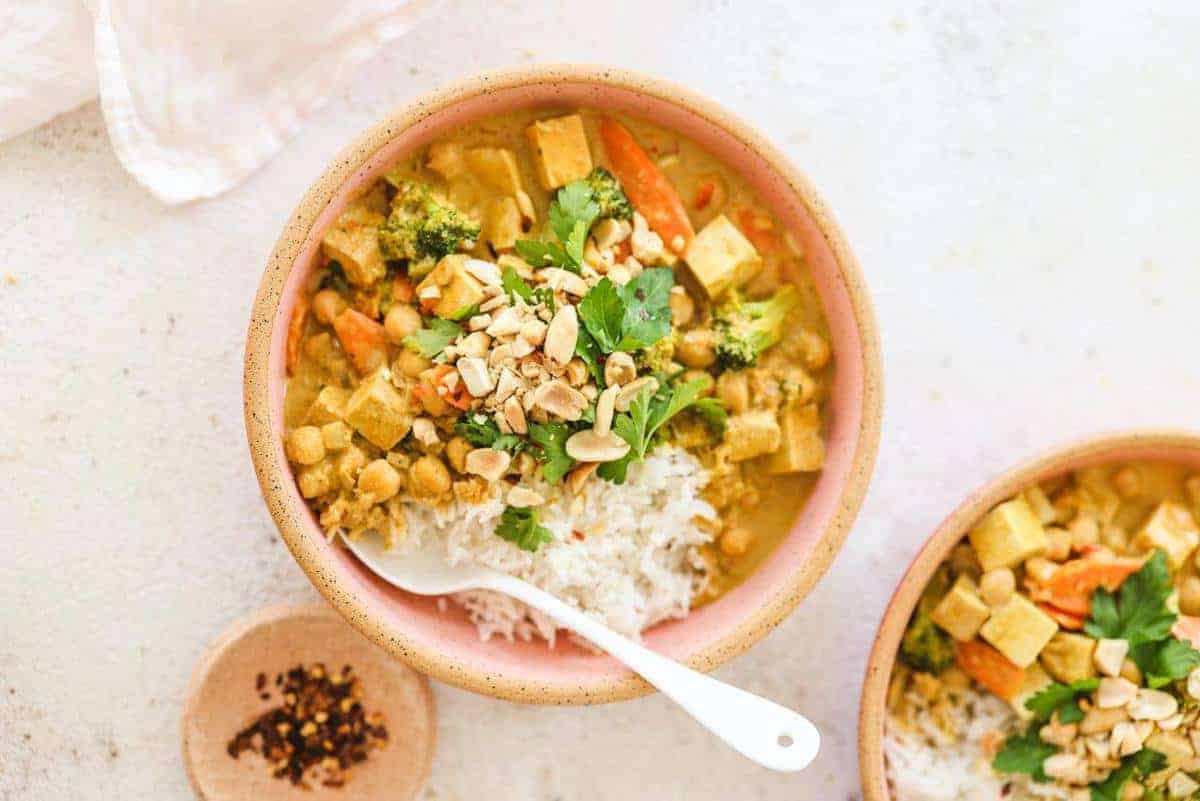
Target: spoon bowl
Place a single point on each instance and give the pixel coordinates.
(761, 730)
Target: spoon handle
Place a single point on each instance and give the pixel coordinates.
(761, 730)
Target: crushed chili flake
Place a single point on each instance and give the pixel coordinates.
(318, 732)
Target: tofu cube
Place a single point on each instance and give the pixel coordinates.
(1036, 680)
(379, 411)
(1008, 535)
(1172, 529)
(961, 611)
(721, 257)
(802, 449)
(447, 159)
(502, 223)
(459, 289)
(497, 168)
(1068, 657)
(336, 435)
(353, 242)
(329, 406)
(1019, 630)
(751, 434)
(560, 150)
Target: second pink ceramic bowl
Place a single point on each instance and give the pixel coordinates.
(445, 644)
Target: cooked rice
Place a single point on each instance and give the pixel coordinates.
(926, 764)
(626, 554)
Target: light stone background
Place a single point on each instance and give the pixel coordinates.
(1019, 181)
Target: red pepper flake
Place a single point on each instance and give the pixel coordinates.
(318, 733)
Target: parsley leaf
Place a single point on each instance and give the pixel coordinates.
(432, 340)
(551, 439)
(520, 527)
(587, 349)
(1142, 763)
(1165, 662)
(1024, 753)
(636, 315)
(482, 432)
(602, 312)
(1061, 698)
(1139, 614)
(647, 316)
(648, 412)
(515, 285)
(572, 213)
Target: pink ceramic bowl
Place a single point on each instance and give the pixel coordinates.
(1169, 446)
(445, 644)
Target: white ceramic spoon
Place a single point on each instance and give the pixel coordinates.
(762, 730)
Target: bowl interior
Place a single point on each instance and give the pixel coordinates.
(414, 627)
(1154, 446)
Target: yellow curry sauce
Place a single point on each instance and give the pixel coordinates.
(595, 271)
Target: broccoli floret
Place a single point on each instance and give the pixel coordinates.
(925, 646)
(424, 228)
(609, 195)
(747, 328)
(659, 357)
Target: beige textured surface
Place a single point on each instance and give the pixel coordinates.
(1023, 203)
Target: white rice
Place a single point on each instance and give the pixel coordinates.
(626, 554)
(924, 764)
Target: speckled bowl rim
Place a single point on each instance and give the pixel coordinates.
(295, 521)
(1163, 445)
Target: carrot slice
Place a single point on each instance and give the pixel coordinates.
(990, 668)
(296, 332)
(457, 395)
(362, 338)
(1063, 618)
(648, 189)
(704, 195)
(1070, 588)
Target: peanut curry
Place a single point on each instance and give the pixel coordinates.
(541, 298)
(1077, 602)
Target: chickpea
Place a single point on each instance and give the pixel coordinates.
(314, 481)
(683, 308)
(305, 446)
(401, 321)
(429, 477)
(326, 305)
(1189, 596)
(736, 541)
(695, 349)
(380, 479)
(997, 586)
(1128, 482)
(733, 389)
(349, 463)
(336, 435)
(814, 350)
(411, 364)
(1039, 570)
(456, 451)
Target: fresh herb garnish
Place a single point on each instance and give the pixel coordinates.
(1143, 763)
(572, 213)
(1138, 613)
(712, 413)
(634, 316)
(519, 525)
(1024, 753)
(551, 439)
(587, 350)
(1061, 698)
(482, 432)
(432, 340)
(648, 412)
(464, 313)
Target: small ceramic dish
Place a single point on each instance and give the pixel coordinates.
(444, 644)
(1179, 447)
(223, 697)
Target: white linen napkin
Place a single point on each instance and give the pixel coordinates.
(196, 94)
